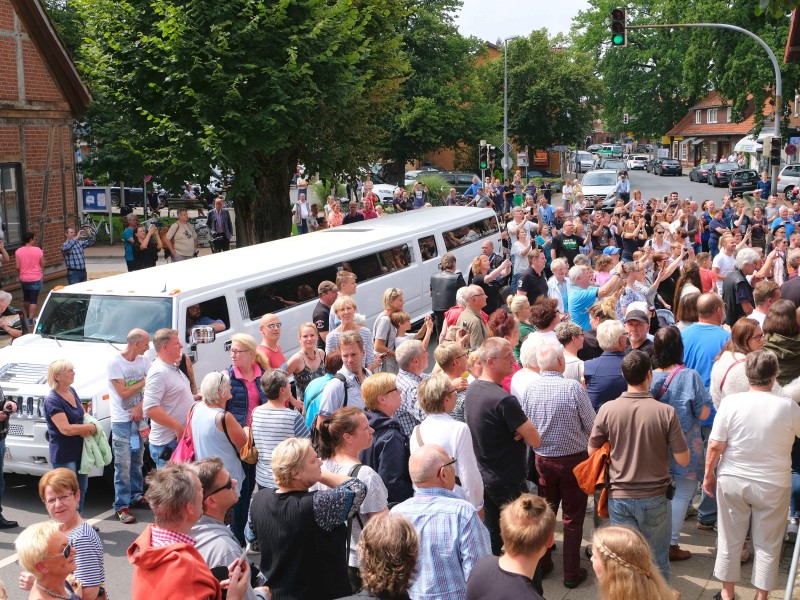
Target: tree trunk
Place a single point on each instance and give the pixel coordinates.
(265, 215)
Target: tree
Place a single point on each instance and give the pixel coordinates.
(244, 85)
(442, 98)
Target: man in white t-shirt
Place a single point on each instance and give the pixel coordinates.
(765, 294)
(167, 396)
(126, 372)
(724, 261)
(181, 237)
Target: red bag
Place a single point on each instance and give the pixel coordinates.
(184, 451)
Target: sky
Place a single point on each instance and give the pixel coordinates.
(491, 20)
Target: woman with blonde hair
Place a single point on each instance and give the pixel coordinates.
(46, 552)
(451, 358)
(64, 413)
(520, 307)
(308, 362)
(345, 309)
(624, 565)
(384, 332)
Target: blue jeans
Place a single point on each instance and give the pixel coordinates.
(707, 509)
(128, 483)
(685, 489)
(794, 499)
(514, 280)
(76, 276)
(2, 479)
(652, 517)
(155, 453)
(713, 248)
(83, 480)
(241, 509)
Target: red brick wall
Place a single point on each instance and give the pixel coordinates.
(39, 86)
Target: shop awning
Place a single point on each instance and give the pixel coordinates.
(748, 144)
(686, 141)
(697, 141)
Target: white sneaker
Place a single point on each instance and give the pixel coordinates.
(791, 530)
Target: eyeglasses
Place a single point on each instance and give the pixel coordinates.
(758, 336)
(237, 352)
(395, 292)
(221, 381)
(63, 554)
(62, 499)
(453, 391)
(227, 486)
(274, 326)
(447, 464)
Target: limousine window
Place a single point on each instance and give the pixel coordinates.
(279, 295)
(427, 247)
(470, 233)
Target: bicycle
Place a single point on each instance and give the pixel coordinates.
(202, 230)
(97, 227)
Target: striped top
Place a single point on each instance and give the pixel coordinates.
(270, 427)
(332, 343)
(89, 566)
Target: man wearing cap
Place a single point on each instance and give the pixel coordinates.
(637, 324)
(328, 292)
(613, 252)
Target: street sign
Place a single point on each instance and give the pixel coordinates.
(506, 148)
(790, 149)
(522, 159)
(507, 163)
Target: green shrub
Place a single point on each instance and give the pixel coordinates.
(318, 194)
(438, 188)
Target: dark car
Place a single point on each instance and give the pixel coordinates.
(720, 173)
(133, 197)
(458, 180)
(613, 163)
(667, 166)
(744, 180)
(700, 173)
(555, 186)
(649, 166)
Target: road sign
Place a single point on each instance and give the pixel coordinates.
(522, 159)
(506, 148)
(507, 163)
(790, 149)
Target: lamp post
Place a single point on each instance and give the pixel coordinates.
(505, 106)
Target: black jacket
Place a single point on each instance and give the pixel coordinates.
(211, 222)
(444, 285)
(388, 456)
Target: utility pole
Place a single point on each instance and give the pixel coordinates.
(505, 106)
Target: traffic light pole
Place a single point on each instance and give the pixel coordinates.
(776, 67)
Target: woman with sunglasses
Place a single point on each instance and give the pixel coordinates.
(452, 360)
(81, 549)
(215, 431)
(45, 552)
(247, 366)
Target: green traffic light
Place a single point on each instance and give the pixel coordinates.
(617, 39)
(484, 165)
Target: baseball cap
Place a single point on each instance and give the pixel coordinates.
(325, 286)
(637, 315)
(610, 250)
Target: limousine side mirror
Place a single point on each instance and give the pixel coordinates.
(202, 334)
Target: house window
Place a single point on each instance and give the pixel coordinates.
(697, 118)
(730, 112)
(711, 117)
(12, 204)
(674, 150)
(684, 151)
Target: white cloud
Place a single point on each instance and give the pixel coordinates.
(498, 19)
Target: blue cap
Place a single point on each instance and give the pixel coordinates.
(610, 250)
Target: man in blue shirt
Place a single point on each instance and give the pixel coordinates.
(783, 219)
(473, 189)
(603, 374)
(451, 535)
(765, 185)
(72, 249)
(623, 187)
(582, 295)
(546, 213)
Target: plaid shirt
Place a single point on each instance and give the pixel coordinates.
(452, 539)
(164, 537)
(409, 415)
(560, 410)
(73, 252)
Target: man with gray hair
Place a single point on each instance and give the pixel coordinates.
(790, 290)
(471, 319)
(582, 294)
(736, 289)
(412, 358)
(560, 410)
(602, 374)
(451, 535)
(165, 561)
(444, 286)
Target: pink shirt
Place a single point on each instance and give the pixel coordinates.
(276, 359)
(601, 277)
(28, 258)
(253, 397)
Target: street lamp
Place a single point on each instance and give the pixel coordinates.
(505, 106)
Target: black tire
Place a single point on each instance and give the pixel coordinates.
(788, 191)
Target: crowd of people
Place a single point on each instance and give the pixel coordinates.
(637, 357)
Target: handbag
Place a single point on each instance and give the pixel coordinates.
(184, 451)
(249, 453)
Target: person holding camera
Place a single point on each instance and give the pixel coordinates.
(72, 249)
(9, 408)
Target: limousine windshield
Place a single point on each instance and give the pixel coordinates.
(93, 317)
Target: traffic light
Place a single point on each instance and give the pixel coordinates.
(483, 157)
(625, 118)
(775, 151)
(619, 33)
(492, 153)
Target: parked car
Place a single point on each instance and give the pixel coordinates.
(598, 184)
(720, 173)
(610, 150)
(581, 162)
(789, 178)
(593, 148)
(650, 165)
(553, 179)
(700, 173)
(384, 191)
(637, 161)
(743, 180)
(459, 180)
(667, 166)
(133, 197)
(613, 163)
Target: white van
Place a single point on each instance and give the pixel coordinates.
(87, 323)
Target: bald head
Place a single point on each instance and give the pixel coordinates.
(138, 342)
(425, 466)
(710, 309)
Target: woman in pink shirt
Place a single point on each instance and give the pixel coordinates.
(30, 261)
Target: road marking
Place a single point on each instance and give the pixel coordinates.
(101, 517)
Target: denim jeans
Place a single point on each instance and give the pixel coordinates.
(128, 483)
(794, 499)
(707, 509)
(713, 248)
(514, 280)
(83, 480)
(2, 479)
(76, 276)
(685, 489)
(494, 498)
(241, 509)
(652, 517)
(156, 450)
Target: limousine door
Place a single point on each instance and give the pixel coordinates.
(209, 348)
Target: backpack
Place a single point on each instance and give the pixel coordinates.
(163, 235)
(313, 428)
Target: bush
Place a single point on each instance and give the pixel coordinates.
(438, 188)
(318, 194)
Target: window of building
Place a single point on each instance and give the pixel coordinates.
(711, 117)
(729, 114)
(697, 117)
(12, 204)
(684, 151)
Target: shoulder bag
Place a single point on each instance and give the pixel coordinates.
(249, 452)
(184, 451)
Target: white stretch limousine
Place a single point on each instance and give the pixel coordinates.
(88, 322)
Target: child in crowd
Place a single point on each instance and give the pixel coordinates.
(707, 276)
